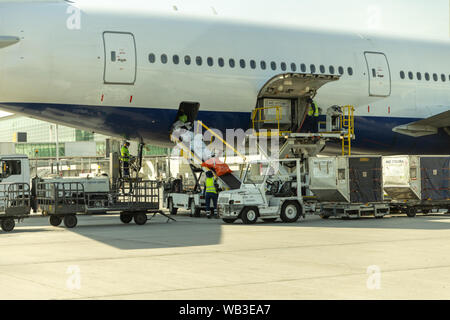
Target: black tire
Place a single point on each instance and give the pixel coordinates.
(271, 220)
(126, 218)
(140, 218)
(249, 215)
(229, 221)
(411, 212)
(291, 212)
(55, 221)
(8, 225)
(173, 211)
(70, 221)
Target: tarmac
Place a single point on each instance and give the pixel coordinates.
(195, 258)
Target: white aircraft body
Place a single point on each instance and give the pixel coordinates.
(125, 73)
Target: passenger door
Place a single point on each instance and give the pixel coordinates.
(120, 58)
(379, 74)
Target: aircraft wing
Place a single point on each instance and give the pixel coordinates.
(427, 126)
(6, 41)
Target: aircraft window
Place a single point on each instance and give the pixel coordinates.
(331, 70)
(151, 58)
(419, 76)
(410, 75)
(283, 66)
(253, 64)
(199, 61)
(435, 77)
(322, 69)
(303, 67)
(232, 63)
(187, 60)
(313, 68)
(350, 71)
(443, 77)
(210, 61)
(176, 59)
(402, 74)
(164, 58)
(242, 63)
(273, 65)
(427, 76)
(221, 62)
(341, 70)
(293, 67)
(263, 65)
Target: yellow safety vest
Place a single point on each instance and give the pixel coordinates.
(125, 154)
(210, 187)
(313, 110)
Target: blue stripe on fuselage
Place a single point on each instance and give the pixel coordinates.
(373, 134)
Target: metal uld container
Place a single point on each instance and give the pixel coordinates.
(346, 179)
(417, 177)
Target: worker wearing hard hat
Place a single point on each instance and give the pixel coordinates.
(210, 194)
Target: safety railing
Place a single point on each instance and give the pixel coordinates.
(60, 197)
(348, 125)
(15, 199)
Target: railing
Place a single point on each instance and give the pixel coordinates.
(15, 198)
(60, 197)
(348, 124)
(259, 119)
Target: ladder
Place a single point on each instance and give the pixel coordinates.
(348, 127)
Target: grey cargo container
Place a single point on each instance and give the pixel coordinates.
(421, 178)
(346, 179)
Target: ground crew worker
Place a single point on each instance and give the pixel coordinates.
(125, 158)
(313, 116)
(210, 194)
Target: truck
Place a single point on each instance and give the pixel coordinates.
(62, 199)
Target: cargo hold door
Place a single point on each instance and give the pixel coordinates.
(120, 58)
(379, 74)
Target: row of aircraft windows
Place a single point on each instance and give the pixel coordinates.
(252, 63)
(427, 76)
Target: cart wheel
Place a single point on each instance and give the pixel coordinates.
(290, 212)
(70, 221)
(229, 221)
(173, 211)
(140, 219)
(8, 225)
(55, 220)
(271, 220)
(126, 218)
(411, 212)
(249, 215)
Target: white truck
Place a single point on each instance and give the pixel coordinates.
(270, 190)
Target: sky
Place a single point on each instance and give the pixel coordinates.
(411, 18)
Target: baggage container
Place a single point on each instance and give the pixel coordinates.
(346, 179)
(420, 178)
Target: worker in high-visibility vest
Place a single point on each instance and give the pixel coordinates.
(313, 116)
(125, 158)
(210, 194)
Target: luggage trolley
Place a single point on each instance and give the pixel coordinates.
(63, 201)
(14, 204)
